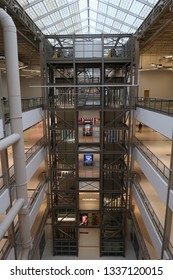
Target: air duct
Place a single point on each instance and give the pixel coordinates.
(4, 225)
(14, 98)
(8, 141)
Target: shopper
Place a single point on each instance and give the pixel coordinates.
(140, 127)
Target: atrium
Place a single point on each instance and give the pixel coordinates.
(86, 118)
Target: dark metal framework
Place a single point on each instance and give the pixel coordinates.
(90, 77)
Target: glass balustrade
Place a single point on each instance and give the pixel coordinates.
(156, 104)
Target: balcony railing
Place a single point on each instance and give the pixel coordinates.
(163, 170)
(29, 155)
(140, 238)
(35, 148)
(164, 106)
(27, 104)
(37, 191)
(149, 209)
(153, 216)
(6, 246)
(4, 249)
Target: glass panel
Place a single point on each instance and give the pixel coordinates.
(101, 15)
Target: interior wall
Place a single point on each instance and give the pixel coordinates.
(4, 85)
(30, 92)
(158, 82)
(25, 85)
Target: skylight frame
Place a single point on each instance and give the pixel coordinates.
(127, 14)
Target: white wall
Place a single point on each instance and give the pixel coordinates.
(156, 121)
(32, 117)
(158, 82)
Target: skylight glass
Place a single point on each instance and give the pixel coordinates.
(130, 19)
(40, 24)
(111, 11)
(40, 9)
(68, 22)
(32, 13)
(93, 5)
(117, 25)
(109, 21)
(56, 16)
(82, 4)
(102, 7)
(113, 2)
(101, 18)
(125, 4)
(120, 15)
(84, 14)
(64, 12)
(106, 30)
(136, 7)
(71, 16)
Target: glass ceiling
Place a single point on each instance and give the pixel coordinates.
(87, 16)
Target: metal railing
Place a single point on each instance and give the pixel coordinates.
(39, 233)
(37, 192)
(140, 237)
(153, 216)
(6, 246)
(27, 104)
(31, 103)
(164, 106)
(35, 148)
(150, 210)
(163, 170)
(170, 249)
(29, 155)
(4, 249)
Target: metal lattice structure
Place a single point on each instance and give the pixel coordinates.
(90, 82)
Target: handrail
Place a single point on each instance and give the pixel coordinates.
(29, 154)
(4, 249)
(170, 249)
(31, 103)
(149, 209)
(27, 104)
(41, 184)
(153, 215)
(39, 233)
(35, 148)
(37, 191)
(164, 106)
(155, 161)
(140, 237)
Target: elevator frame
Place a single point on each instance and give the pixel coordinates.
(86, 73)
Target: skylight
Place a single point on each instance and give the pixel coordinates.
(87, 16)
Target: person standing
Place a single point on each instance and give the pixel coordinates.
(140, 127)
